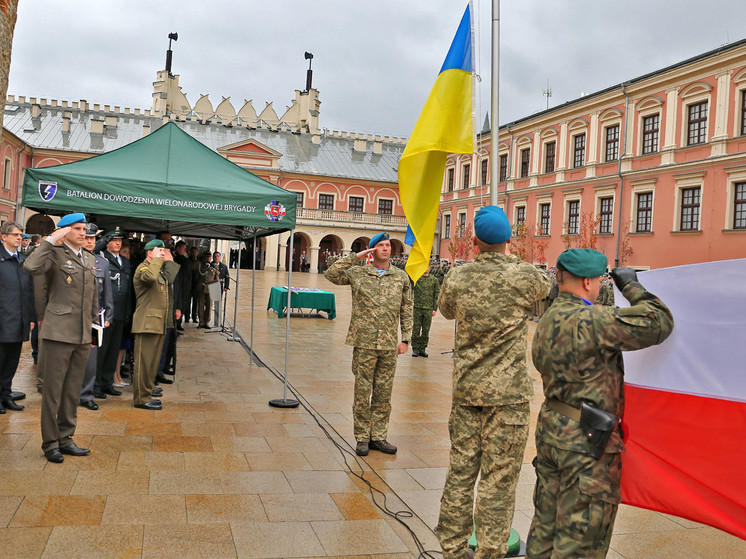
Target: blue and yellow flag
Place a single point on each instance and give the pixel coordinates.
(445, 126)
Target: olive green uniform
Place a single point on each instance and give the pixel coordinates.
(380, 305)
(578, 351)
(491, 300)
(426, 292)
(154, 313)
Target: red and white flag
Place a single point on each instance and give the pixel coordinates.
(685, 415)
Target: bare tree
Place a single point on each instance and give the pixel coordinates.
(8, 15)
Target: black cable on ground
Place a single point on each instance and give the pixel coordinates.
(345, 450)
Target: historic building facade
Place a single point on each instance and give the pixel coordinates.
(652, 171)
(346, 183)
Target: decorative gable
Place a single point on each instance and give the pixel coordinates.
(250, 153)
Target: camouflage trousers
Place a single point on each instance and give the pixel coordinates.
(374, 380)
(487, 442)
(423, 318)
(575, 500)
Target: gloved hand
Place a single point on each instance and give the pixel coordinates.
(106, 238)
(622, 276)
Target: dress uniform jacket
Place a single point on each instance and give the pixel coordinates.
(381, 303)
(153, 314)
(121, 277)
(68, 303)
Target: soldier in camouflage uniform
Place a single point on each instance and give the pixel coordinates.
(491, 300)
(426, 292)
(381, 301)
(578, 351)
(606, 292)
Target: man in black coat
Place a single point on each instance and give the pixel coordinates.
(183, 283)
(16, 310)
(120, 272)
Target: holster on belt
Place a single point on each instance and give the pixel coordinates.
(597, 424)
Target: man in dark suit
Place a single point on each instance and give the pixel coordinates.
(121, 285)
(105, 304)
(16, 310)
(225, 280)
(69, 307)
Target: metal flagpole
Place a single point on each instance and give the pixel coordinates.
(234, 337)
(495, 105)
(285, 403)
(253, 284)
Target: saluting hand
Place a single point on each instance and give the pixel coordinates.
(59, 234)
(366, 252)
(167, 256)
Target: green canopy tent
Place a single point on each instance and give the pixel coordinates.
(166, 181)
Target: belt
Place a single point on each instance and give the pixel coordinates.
(563, 409)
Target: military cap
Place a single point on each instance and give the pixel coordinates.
(378, 238)
(155, 243)
(491, 225)
(115, 233)
(26, 236)
(71, 219)
(583, 262)
(91, 229)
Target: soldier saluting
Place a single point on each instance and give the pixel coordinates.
(578, 349)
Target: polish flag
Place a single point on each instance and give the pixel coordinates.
(685, 415)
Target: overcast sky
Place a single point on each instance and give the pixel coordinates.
(374, 62)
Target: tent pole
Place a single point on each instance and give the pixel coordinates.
(234, 338)
(285, 403)
(253, 284)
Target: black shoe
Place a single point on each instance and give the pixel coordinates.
(2, 410)
(160, 379)
(54, 455)
(169, 372)
(207, 327)
(361, 449)
(383, 446)
(15, 396)
(90, 404)
(423, 354)
(180, 328)
(152, 405)
(111, 391)
(415, 353)
(156, 394)
(74, 450)
(11, 405)
(99, 394)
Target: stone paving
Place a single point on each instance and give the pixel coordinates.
(219, 473)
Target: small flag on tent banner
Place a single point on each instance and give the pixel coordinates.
(444, 126)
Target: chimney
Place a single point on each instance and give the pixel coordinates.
(66, 121)
(97, 126)
(309, 72)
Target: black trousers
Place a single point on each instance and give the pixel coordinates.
(108, 353)
(10, 354)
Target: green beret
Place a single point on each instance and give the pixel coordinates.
(156, 243)
(583, 262)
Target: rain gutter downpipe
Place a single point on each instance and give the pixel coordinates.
(621, 175)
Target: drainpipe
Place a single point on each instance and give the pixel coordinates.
(19, 193)
(508, 169)
(621, 177)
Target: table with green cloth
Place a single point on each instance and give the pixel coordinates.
(302, 298)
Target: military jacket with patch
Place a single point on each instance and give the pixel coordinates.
(380, 303)
(426, 292)
(491, 300)
(578, 351)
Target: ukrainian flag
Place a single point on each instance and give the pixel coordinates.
(445, 126)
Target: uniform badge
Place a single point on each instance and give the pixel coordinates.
(68, 263)
(69, 280)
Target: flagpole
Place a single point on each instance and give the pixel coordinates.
(495, 104)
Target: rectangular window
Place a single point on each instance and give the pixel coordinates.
(606, 214)
(503, 167)
(573, 216)
(447, 227)
(299, 199)
(739, 205)
(612, 143)
(743, 113)
(6, 174)
(644, 212)
(326, 201)
(549, 151)
(544, 212)
(520, 215)
(385, 207)
(697, 124)
(690, 198)
(450, 179)
(461, 224)
(579, 151)
(467, 172)
(485, 169)
(525, 162)
(356, 204)
(650, 125)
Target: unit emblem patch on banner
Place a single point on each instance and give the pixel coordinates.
(47, 190)
(274, 211)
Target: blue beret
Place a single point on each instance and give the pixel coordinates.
(70, 219)
(26, 236)
(583, 262)
(156, 243)
(491, 225)
(377, 239)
